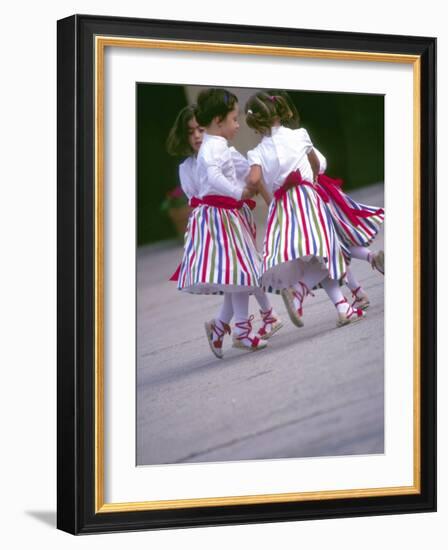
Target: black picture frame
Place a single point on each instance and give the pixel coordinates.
(76, 476)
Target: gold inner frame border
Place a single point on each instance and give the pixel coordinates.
(101, 42)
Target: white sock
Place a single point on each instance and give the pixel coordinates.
(226, 312)
(334, 293)
(240, 302)
(312, 275)
(360, 253)
(262, 300)
(352, 282)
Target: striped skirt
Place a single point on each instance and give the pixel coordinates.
(220, 252)
(353, 230)
(300, 227)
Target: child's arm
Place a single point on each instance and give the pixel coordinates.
(264, 193)
(322, 161)
(185, 181)
(254, 177)
(240, 163)
(315, 164)
(219, 183)
(254, 182)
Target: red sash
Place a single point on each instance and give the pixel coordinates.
(327, 188)
(219, 201)
(222, 201)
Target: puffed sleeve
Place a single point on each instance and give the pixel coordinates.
(186, 181)
(254, 157)
(240, 163)
(322, 161)
(305, 138)
(216, 157)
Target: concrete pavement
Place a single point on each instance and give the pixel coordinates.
(316, 391)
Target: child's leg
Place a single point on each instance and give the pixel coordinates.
(240, 303)
(361, 299)
(226, 312)
(347, 314)
(312, 274)
(294, 297)
(375, 259)
(262, 299)
(243, 337)
(360, 252)
(270, 319)
(217, 328)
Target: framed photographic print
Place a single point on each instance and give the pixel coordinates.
(232, 347)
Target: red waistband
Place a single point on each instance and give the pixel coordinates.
(222, 201)
(326, 188)
(293, 179)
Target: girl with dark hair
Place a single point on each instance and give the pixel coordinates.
(185, 138)
(220, 253)
(302, 248)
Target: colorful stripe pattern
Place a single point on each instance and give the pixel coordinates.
(220, 251)
(300, 226)
(355, 235)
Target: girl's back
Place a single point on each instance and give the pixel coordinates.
(282, 152)
(217, 170)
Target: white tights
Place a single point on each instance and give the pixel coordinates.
(313, 275)
(360, 252)
(235, 303)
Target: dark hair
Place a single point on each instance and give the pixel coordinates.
(263, 109)
(293, 122)
(177, 142)
(214, 102)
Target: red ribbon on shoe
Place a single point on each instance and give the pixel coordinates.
(326, 188)
(222, 201)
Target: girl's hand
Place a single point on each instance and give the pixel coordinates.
(247, 193)
(253, 186)
(254, 176)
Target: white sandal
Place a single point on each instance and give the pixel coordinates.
(211, 328)
(270, 325)
(352, 315)
(288, 295)
(361, 300)
(254, 342)
(376, 260)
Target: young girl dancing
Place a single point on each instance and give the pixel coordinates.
(357, 224)
(301, 247)
(220, 253)
(185, 139)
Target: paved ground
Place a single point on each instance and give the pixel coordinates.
(316, 391)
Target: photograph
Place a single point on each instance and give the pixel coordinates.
(260, 228)
(231, 346)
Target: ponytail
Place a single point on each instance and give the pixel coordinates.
(282, 109)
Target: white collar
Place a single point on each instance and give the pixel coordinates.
(211, 136)
(275, 129)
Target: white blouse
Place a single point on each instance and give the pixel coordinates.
(221, 169)
(188, 177)
(282, 152)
